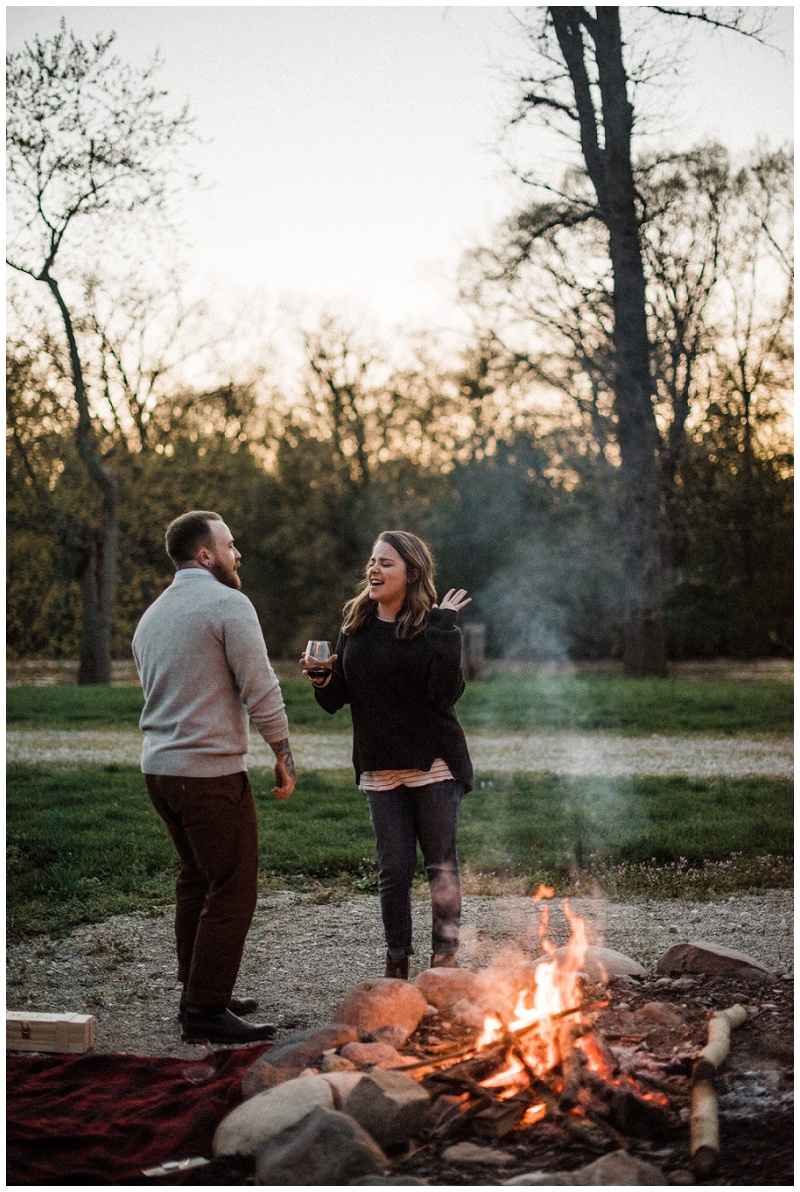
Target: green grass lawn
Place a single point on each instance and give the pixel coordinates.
(501, 703)
(85, 844)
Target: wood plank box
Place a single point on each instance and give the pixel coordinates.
(27, 1030)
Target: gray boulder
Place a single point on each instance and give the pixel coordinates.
(324, 1148)
(698, 956)
(395, 1036)
(391, 1106)
(246, 1128)
(342, 1085)
(601, 964)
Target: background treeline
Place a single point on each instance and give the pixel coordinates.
(602, 455)
(505, 462)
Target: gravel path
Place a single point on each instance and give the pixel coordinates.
(560, 753)
(304, 954)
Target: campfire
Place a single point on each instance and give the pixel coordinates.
(546, 1063)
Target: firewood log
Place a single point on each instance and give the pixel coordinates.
(704, 1114)
(716, 1049)
(570, 1069)
(704, 1128)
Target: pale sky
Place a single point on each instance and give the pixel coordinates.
(351, 153)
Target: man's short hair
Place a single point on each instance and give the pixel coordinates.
(187, 533)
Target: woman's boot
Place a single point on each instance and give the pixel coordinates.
(397, 968)
(444, 960)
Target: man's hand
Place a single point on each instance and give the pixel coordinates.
(285, 773)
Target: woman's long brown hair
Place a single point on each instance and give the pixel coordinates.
(420, 593)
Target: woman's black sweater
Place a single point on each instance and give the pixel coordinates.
(401, 695)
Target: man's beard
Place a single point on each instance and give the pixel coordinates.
(228, 577)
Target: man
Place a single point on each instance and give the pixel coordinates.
(204, 668)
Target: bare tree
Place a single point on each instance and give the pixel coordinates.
(584, 88)
(753, 359)
(88, 143)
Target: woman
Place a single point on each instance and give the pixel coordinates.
(398, 664)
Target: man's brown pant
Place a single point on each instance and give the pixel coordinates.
(213, 825)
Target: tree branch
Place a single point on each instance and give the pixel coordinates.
(736, 25)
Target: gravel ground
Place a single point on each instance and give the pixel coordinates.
(303, 954)
(560, 753)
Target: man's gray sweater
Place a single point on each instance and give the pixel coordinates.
(204, 668)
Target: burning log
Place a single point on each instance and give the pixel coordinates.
(704, 1117)
(501, 1117)
(626, 1111)
(570, 1068)
(445, 1056)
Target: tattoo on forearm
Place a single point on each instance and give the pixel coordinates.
(283, 753)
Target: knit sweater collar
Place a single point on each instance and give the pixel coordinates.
(186, 572)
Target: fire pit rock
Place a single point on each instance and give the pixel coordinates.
(698, 956)
(375, 1055)
(443, 987)
(266, 1114)
(288, 1059)
(244, 1130)
(391, 1106)
(468, 995)
(619, 1169)
(373, 1005)
(600, 965)
(325, 1147)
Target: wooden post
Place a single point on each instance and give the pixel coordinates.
(473, 651)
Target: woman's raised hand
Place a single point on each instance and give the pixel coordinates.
(456, 599)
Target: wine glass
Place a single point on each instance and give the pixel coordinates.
(319, 652)
(201, 1064)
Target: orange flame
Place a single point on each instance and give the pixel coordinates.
(534, 1114)
(555, 989)
(543, 1034)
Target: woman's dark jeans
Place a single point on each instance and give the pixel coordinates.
(400, 818)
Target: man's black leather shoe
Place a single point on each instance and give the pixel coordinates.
(241, 1006)
(225, 1027)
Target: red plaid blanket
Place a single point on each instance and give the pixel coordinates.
(102, 1119)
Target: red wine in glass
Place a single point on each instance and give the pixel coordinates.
(321, 652)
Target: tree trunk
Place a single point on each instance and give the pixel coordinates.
(608, 162)
(641, 516)
(99, 575)
(747, 520)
